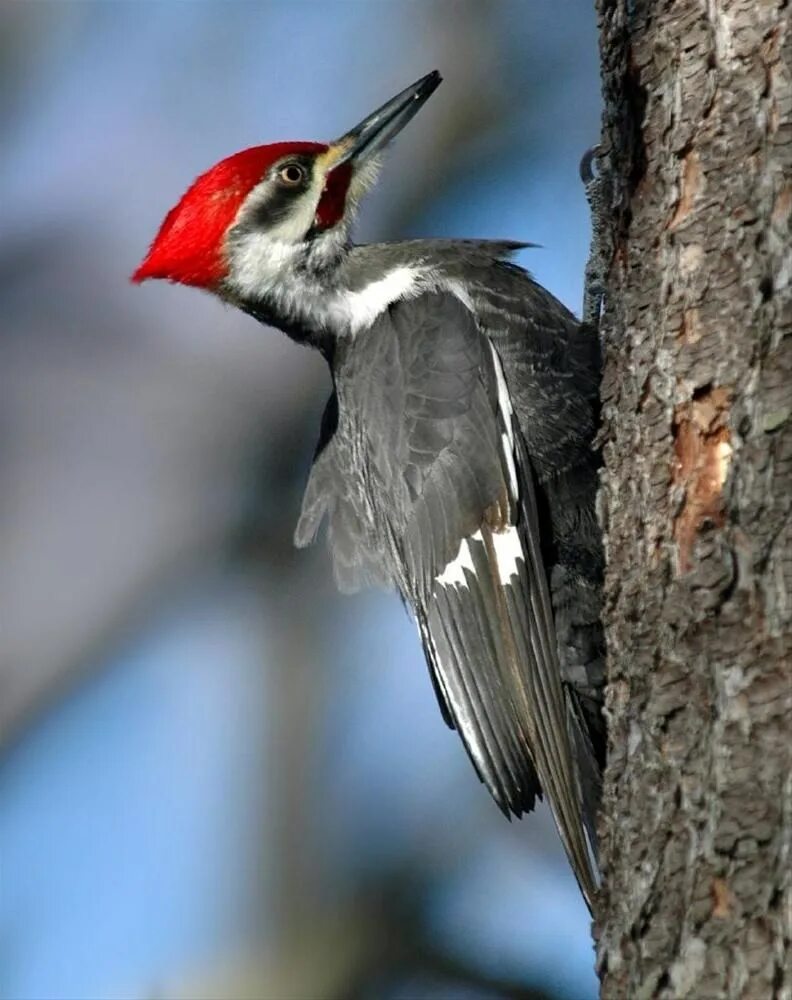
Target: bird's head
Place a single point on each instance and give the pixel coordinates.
(255, 209)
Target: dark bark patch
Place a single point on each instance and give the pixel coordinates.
(766, 288)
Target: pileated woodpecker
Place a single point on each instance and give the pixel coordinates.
(455, 460)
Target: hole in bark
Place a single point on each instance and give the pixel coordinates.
(635, 96)
(728, 591)
(744, 427)
(668, 718)
(663, 982)
(778, 979)
(702, 391)
(766, 288)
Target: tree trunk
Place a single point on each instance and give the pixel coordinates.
(697, 500)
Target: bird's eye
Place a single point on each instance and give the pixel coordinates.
(291, 174)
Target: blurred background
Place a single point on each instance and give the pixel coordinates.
(218, 778)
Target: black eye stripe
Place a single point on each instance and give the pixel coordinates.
(278, 198)
(275, 208)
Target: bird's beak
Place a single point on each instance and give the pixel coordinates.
(374, 132)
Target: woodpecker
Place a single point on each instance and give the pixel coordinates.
(455, 461)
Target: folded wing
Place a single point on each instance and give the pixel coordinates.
(428, 485)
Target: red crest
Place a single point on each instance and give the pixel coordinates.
(189, 245)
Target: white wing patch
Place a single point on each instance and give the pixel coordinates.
(454, 573)
(506, 545)
(508, 549)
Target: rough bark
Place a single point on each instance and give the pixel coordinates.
(696, 499)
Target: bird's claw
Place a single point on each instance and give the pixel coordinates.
(587, 174)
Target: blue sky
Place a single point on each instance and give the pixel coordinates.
(139, 832)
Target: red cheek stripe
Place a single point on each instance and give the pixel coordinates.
(330, 209)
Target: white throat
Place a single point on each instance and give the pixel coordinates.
(298, 282)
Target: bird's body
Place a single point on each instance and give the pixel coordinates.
(428, 471)
(455, 463)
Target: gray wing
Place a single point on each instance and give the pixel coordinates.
(427, 484)
(552, 366)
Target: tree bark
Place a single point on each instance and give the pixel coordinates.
(697, 499)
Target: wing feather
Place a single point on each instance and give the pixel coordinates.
(428, 483)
